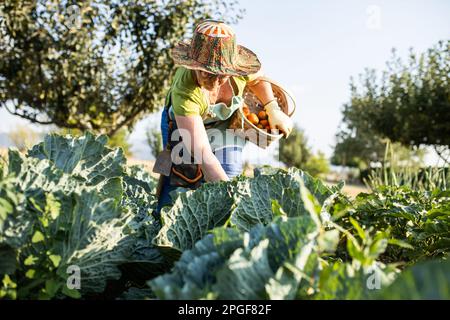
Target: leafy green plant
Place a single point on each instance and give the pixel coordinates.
(428, 280)
(285, 259)
(419, 219)
(415, 177)
(70, 202)
(347, 281)
(279, 235)
(242, 203)
(255, 262)
(263, 262)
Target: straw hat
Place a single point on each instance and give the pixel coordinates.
(213, 49)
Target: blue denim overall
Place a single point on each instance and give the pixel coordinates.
(228, 150)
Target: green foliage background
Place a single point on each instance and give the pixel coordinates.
(295, 152)
(97, 65)
(408, 104)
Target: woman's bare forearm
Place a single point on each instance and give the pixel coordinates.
(212, 169)
(194, 134)
(263, 90)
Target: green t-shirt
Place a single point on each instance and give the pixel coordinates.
(187, 96)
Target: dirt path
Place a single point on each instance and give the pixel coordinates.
(352, 190)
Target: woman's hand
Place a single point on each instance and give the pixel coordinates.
(278, 119)
(194, 137)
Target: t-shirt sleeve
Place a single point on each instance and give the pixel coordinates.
(185, 104)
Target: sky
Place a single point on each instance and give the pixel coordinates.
(314, 47)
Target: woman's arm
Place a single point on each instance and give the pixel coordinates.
(194, 131)
(262, 90)
(277, 118)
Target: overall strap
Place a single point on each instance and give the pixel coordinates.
(170, 122)
(168, 100)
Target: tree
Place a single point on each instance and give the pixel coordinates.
(154, 140)
(120, 139)
(23, 137)
(363, 150)
(362, 147)
(317, 164)
(357, 148)
(97, 65)
(295, 152)
(409, 104)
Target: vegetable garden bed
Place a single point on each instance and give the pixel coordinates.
(77, 222)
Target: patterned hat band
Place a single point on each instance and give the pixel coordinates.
(219, 51)
(213, 48)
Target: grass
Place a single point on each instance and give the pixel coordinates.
(416, 178)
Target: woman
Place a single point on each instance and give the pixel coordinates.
(206, 90)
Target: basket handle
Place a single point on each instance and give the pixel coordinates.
(269, 80)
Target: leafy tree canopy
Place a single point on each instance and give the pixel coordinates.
(97, 65)
(408, 104)
(295, 152)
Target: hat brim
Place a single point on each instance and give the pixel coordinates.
(246, 61)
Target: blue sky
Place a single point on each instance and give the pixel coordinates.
(314, 47)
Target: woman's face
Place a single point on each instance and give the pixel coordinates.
(210, 81)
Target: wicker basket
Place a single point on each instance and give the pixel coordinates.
(247, 130)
